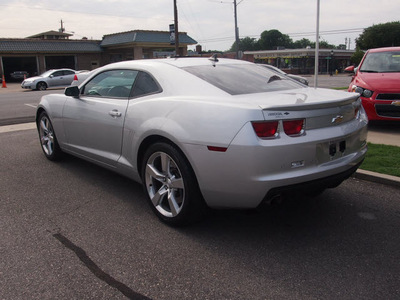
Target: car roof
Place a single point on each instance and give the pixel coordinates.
(179, 62)
(384, 49)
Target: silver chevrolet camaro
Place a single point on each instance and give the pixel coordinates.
(206, 132)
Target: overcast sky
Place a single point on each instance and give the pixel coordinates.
(209, 22)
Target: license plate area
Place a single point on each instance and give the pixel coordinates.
(335, 147)
(331, 150)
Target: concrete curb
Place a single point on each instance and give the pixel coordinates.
(377, 177)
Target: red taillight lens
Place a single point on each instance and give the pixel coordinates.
(293, 127)
(217, 149)
(266, 129)
(76, 78)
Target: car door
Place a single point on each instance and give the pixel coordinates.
(55, 78)
(67, 78)
(94, 122)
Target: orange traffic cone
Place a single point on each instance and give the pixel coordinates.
(4, 82)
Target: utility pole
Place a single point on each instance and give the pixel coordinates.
(316, 50)
(176, 29)
(236, 30)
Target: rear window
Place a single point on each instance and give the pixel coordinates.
(242, 79)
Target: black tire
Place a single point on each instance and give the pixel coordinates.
(47, 138)
(41, 86)
(171, 186)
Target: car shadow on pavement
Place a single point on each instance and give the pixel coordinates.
(385, 126)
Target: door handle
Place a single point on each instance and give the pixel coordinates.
(115, 113)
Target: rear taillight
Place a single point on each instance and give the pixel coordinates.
(75, 78)
(293, 127)
(267, 129)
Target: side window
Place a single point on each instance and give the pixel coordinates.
(68, 72)
(57, 74)
(113, 83)
(144, 85)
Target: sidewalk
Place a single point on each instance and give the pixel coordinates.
(11, 87)
(385, 138)
(335, 81)
(15, 87)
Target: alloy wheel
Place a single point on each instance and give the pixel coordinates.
(46, 135)
(41, 86)
(164, 184)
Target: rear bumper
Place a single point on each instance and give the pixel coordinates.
(314, 185)
(253, 169)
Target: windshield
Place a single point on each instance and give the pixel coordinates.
(381, 62)
(243, 79)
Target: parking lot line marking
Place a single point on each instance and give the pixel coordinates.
(31, 105)
(17, 127)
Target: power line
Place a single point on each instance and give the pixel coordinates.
(296, 34)
(328, 32)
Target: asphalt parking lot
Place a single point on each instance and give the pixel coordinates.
(72, 230)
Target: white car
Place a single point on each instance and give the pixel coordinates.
(206, 132)
(80, 76)
(49, 79)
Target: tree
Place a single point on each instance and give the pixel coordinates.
(245, 44)
(380, 35)
(357, 57)
(272, 39)
(325, 45)
(303, 43)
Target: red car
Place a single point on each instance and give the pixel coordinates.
(377, 80)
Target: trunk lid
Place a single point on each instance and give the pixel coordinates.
(319, 107)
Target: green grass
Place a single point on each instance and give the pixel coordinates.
(382, 159)
(341, 88)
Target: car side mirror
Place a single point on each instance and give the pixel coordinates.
(72, 91)
(349, 69)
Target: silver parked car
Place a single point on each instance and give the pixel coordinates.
(203, 132)
(300, 79)
(51, 78)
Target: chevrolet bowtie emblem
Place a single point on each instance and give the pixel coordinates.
(338, 119)
(396, 103)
